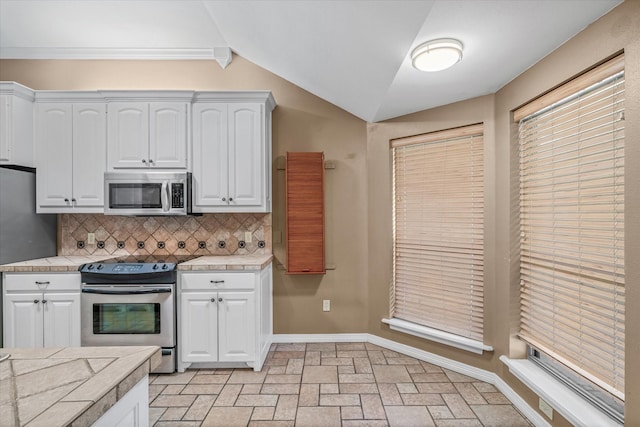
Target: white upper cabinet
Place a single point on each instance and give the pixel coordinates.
(247, 161)
(128, 131)
(210, 158)
(147, 135)
(232, 152)
(16, 124)
(89, 154)
(70, 140)
(168, 135)
(224, 138)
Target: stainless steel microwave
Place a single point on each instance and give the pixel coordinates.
(147, 193)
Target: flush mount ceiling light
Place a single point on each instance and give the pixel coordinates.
(436, 55)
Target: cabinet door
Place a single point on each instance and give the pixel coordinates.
(6, 127)
(23, 320)
(246, 155)
(128, 135)
(54, 154)
(304, 213)
(237, 330)
(168, 135)
(89, 154)
(61, 319)
(199, 328)
(16, 125)
(210, 166)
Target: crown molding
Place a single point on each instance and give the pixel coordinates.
(222, 55)
(16, 89)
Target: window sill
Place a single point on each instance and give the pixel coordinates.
(574, 408)
(437, 336)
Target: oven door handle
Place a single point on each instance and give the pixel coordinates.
(126, 292)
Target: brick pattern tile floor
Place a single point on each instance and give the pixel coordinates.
(329, 384)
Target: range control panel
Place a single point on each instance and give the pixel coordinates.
(127, 268)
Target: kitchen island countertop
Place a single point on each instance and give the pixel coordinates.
(71, 386)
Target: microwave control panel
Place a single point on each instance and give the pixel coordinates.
(177, 195)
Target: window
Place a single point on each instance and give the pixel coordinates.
(438, 231)
(572, 233)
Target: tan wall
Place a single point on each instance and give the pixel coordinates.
(301, 122)
(619, 30)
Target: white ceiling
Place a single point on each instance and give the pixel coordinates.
(353, 53)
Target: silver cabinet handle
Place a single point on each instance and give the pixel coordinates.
(44, 301)
(144, 161)
(35, 301)
(150, 161)
(73, 200)
(231, 199)
(42, 283)
(213, 300)
(217, 281)
(66, 200)
(224, 199)
(220, 299)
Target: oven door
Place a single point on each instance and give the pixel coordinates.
(115, 315)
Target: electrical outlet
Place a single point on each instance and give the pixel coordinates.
(326, 305)
(91, 238)
(545, 408)
(247, 236)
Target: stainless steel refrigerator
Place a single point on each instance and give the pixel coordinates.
(24, 234)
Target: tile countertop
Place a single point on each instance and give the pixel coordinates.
(227, 262)
(54, 263)
(68, 386)
(71, 263)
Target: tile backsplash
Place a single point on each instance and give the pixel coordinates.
(209, 234)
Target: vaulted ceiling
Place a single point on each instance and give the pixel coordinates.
(352, 53)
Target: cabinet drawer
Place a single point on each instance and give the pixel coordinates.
(217, 281)
(45, 282)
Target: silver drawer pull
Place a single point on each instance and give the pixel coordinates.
(42, 283)
(217, 281)
(35, 301)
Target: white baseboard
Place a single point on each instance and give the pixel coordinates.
(483, 375)
(296, 338)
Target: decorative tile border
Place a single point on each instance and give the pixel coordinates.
(209, 234)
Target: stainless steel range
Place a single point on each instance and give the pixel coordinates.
(131, 301)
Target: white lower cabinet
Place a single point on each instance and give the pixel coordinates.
(199, 327)
(221, 318)
(41, 310)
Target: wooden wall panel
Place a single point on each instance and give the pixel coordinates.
(305, 213)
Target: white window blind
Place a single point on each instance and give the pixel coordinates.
(572, 227)
(438, 230)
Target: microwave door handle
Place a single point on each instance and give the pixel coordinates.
(126, 292)
(164, 196)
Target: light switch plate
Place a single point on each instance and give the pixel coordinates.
(326, 305)
(247, 236)
(91, 238)
(546, 409)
